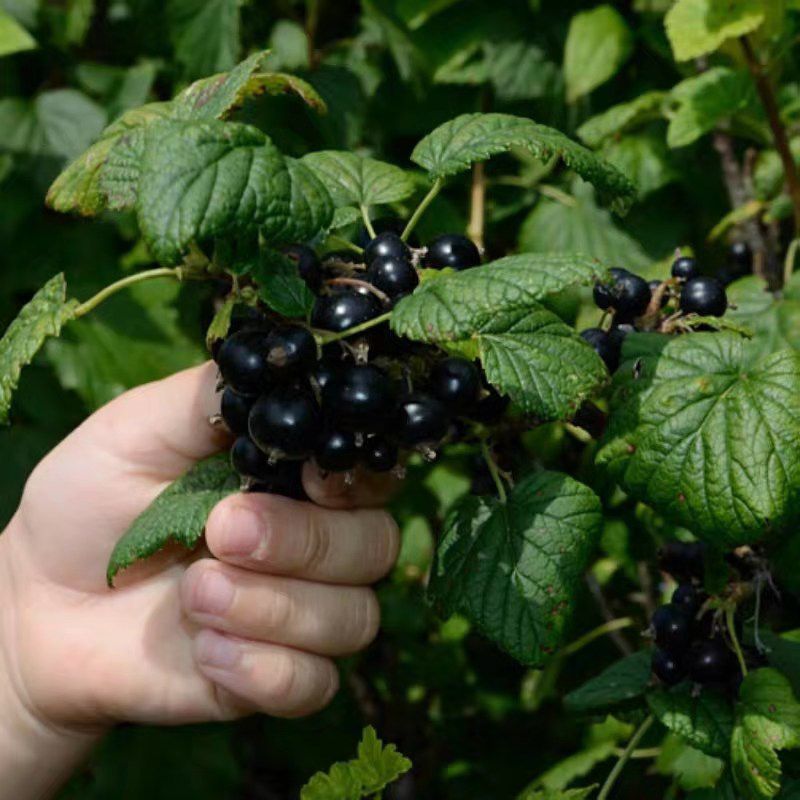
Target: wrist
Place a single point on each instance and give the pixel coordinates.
(36, 755)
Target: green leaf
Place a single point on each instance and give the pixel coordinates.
(527, 352)
(43, 316)
(644, 158)
(704, 721)
(208, 179)
(13, 37)
(616, 687)
(519, 70)
(698, 27)
(512, 568)
(706, 99)
(377, 765)
(455, 145)
(690, 768)
(281, 287)
(599, 42)
(623, 117)
(767, 720)
(559, 794)
(355, 180)
(221, 322)
(79, 187)
(783, 653)
(339, 783)
(704, 431)
(277, 83)
(205, 34)
(178, 514)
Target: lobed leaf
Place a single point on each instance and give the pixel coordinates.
(204, 33)
(512, 568)
(13, 37)
(616, 687)
(281, 287)
(622, 117)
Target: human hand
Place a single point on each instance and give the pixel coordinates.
(183, 638)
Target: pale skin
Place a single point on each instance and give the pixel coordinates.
(250, 624)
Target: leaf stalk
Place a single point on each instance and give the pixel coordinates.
(124, 283)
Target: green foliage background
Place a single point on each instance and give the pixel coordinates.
(475, 723)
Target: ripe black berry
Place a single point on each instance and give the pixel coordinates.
(289, 348)
(387, 244)
(285, 478)
(360, 398)
(422, 421)
(672, 628)
(628, 294)
(243, 363)
(687, 598)
(457, 383)
(607, 344)
(286, 422)
(711, 661)
(344, 309)
(325, 370)
(704, 296)
(379, 454)
(308, 265)
(248, 461)
(336, 451)
(452, 250)
(667, 668)
(393, 275)
(685, 268)
(604, 293)
(235, 410)
(740, 258)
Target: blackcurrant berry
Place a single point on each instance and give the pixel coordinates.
(360, 398)
(286, 422)
(457, 383)
(632, 296)
(687, 598)
(379, 454)
(672, 628)
(393, 275)
(248, 461)
(491, 407)
(344, 309)
(704, 296)
(325, 370)
(604, 293)
(285, 479)
(685, 268)
(607, 344)
(336, 451)
(711, 661)
(243, 318)
(235, 410)
(387, 245)
(291, 348)
(452, 250)
(422, 421)
(668, 668)
(740, 258)
(382, 225)
(308, 265)
(243, 363)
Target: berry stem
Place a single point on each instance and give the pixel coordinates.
(340, 241)
(422, 207)
(367, 221)
(788, 262)
(325, 337)
(494, 471)
(637, 737)
(731, 623)
(766, 93)
(477, 207)
(601, 630)
(124, 283)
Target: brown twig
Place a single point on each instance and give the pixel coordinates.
(359, 284)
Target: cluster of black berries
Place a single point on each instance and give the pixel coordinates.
(634, 304)
(689, 639)
(288, 396)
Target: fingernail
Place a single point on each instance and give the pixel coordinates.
(245, 534)
(215, 650)
(213, 593)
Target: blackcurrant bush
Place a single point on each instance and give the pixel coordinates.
(235, 410)
(685, 268)
(607, 344)
(360, 398)
(669, 669)
(457, 383)
(740, 258)
(393, 275)
(711, 661)
(672, 628)
(379, 454)
(387, 244)
(243, 363)
(704, 296)
(308, 265)
(291, 348)
(452, 250)
(336, 451)
(286, 422)
(344, 309)
(248, 461)
(422, 421)
(687, 598)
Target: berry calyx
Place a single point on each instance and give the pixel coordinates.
(685, 268)
(336, 451)
(379, 454)
(235, 411)
(704, 296)
(285, 423)
(242, 360)
(308, 265)
(672, 628)
(344, 309)
(422, 421)
(457, 383)
(669, 669)
(711, 661)
(360, 398)
(387, 245)
(393, 275)
(452, 250)
(291, 348)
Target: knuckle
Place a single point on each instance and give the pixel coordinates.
(281, 688)
(367, 619)
(316, 547)
(193, 581)
(276, 612)
(385, 543)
